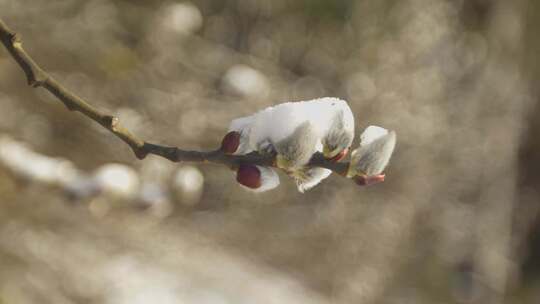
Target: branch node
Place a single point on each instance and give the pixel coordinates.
(111, 121)
(34, 82)
(140, 153)
(15, 39)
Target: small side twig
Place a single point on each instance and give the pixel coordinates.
(37, 77)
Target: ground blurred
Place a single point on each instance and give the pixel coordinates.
(455, 222)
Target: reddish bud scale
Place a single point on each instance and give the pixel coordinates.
(364, 180)
(249, 176)
(340, 155)
(230, 142)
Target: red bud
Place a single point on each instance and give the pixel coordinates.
(249, 176)
(340, 155)
(230, 142)
(364, 180)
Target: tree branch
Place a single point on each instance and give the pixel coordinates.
(37, 77)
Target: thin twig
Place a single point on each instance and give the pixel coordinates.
(37, 77)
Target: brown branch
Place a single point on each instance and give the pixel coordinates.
(37, 77)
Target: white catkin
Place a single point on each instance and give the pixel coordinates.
(373, 157)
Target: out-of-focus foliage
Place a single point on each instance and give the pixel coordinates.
(455, 221)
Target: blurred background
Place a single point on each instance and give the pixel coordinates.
(83, 221)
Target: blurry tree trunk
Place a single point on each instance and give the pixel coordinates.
(526, 219)
(498, 194)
